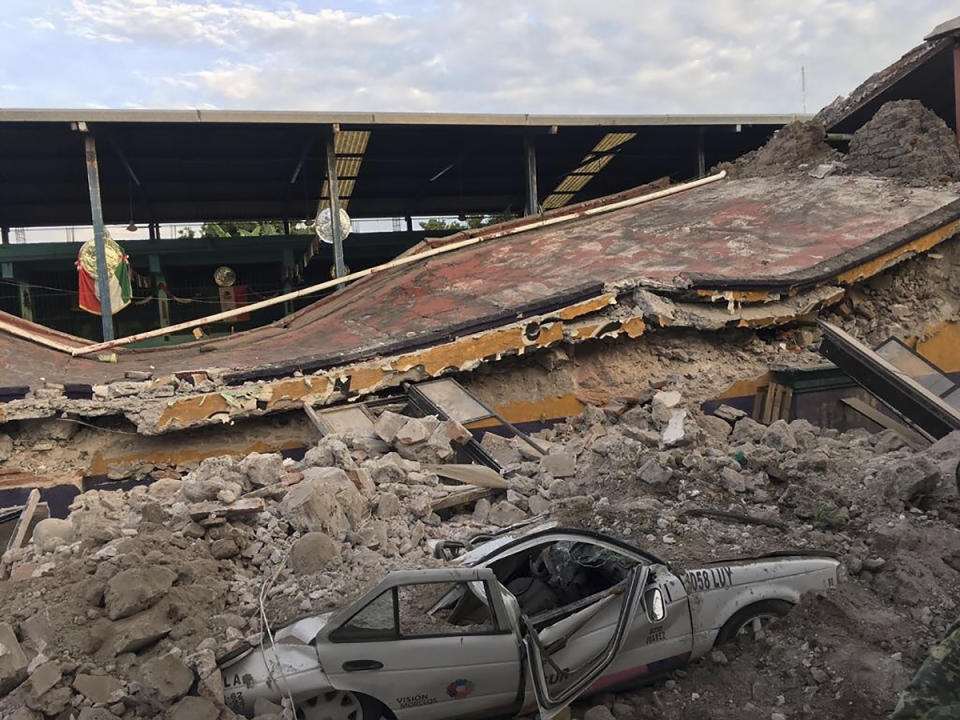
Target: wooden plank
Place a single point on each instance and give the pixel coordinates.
(239, 509)
(785, 404)
(772, 391)
(314, 418)
(462, 497)
(10, 516)
(758, 400)
(479, 475)
(912, 438)
(20, 530)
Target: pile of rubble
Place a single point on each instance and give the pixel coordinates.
(121, 610)
(918, 297)
(907, 141)
(904, 140)
(799, 145)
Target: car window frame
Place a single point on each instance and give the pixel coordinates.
(398, 635)
(552, 535)
(559, 533)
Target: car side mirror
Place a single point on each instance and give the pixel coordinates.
(656, 608)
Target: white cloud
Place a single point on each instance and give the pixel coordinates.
(39, 23)
(485, 55)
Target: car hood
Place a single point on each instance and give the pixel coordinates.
(302, 630)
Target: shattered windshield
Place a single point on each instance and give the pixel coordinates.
(565, 562)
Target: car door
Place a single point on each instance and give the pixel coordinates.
(565, 659)
(653, 646)
(428, 644)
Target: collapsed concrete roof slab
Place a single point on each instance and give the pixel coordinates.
(769, 249)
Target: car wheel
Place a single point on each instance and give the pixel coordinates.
(752, 620)
(338, 705)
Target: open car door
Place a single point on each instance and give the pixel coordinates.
(556, 685)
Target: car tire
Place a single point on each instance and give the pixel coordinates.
(740, 619)
(339, 705)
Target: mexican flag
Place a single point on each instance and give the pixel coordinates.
(118, 267)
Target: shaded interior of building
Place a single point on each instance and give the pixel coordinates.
(206, 167)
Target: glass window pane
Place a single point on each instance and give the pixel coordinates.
(953, 399)
(914, 366)
(442, 609)
(374, 622)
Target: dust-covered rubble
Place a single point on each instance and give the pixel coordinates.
(903, 140)
(124, 614)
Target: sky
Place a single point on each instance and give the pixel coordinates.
(510, 56)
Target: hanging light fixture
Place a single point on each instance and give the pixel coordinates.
(132, 227)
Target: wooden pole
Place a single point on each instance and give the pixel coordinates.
(398, 262)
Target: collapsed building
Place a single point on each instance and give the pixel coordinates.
(647, 364)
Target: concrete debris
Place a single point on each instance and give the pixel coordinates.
(313, 552)
(51, 533)
(164, 679)
(504, 513)
(558, 464)
(793, 148)
(674, 433)
(44, 677)
(100, 689)
(13, 661)
(906, 480)
(504, 450)
(159, 579)
(193, 708)
(130, 591)
(907, 141)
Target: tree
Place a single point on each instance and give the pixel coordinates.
(468, 222)
(229, 228)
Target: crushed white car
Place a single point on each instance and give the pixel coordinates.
(520, 622)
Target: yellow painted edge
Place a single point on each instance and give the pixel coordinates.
(920, 244)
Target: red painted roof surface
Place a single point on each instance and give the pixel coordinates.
(736, 233)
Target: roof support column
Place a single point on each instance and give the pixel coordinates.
(96, 211)
(160, 282)
(287, 269)
(6, 235)
(334, 185)
(956, 87)
(701, 158)
(23, 292)
(530, 153)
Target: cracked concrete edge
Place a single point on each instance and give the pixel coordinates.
(604, 317)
